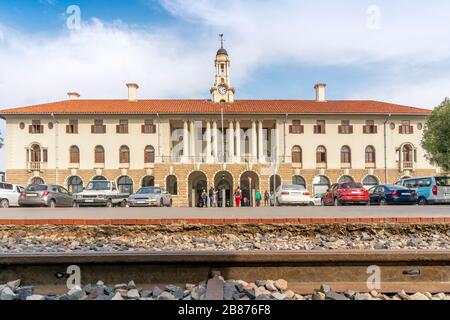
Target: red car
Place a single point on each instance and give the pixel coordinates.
(346, 193)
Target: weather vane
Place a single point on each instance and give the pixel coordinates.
(221, 40)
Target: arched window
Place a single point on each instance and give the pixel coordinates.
(321, 154)
(149, 154)
(99, 154)
(296, 154)
(345, 179)
(172, 185)
(74, 154)
(370, 181)
(275, 182)
(370, 154)
(321, 184)
(298, 181)
(124, 154)
(35, 153)
(346, 155)
(125, 185)
(75, 184)
(37, 180)
(148, 181)
(407, 153)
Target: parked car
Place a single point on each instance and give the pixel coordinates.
(392, 194)
(291, 195)
(9, 195)
(101, 193)
(46, 196)
(150, 196)
(346, 193)
(430, 190)
(318, 199)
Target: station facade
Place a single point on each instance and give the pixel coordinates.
(186, 146)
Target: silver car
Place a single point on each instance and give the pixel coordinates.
(292, 195)
(51, 196)
(9, 194)
(150, 197)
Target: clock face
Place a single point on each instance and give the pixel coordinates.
(222, 90)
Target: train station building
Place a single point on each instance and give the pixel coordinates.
(186, 146)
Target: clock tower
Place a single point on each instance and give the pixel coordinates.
(222, 91)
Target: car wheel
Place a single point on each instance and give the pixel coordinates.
(337, 203)
(423, 202)
(161, 203)
(123, 204)
(4, 203)
(75, 205)
(109, 204)
(52, 204)
(383, 202)
(170, 203)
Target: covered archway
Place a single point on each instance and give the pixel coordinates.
(99, 178)
(321, 184)
(125, 184)
(148, 181)
(197, 182)
(37, 180)
(346, 179)
(249, 185)
(275, 182)
(223, 182)
(75, 184)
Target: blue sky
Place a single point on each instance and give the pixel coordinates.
(397, 51)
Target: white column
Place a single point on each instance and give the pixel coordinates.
(260, 142)
(238, 142)
(277, 142)
(215, 142)
(192, 142)
(185, 142)
(209, 158)
(254, 143)
(230, 142)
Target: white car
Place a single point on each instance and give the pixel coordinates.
(9, 194)
(292, 195)
(317, 199)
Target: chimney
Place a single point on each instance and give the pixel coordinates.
(73, 95)
(320, 92)
(132, 91)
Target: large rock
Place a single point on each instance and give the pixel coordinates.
(278, 295)
(156, 292)
(318, 296)
(166, 296)
(76, 293)
(14, 285)
(133, 294)
(419, 296)
(35, 297)
(117, 296)
(362, 297)
(331, 295)
(7, 294)
(281, 284)
(25, 292)
(270, 285)
(324, 288)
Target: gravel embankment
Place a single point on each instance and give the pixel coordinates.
(233, 290)
(31, 239)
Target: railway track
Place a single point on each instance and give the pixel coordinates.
(412, 271)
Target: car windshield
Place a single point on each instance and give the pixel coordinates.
(443, 181)
(395, 187)
(37, 188)
(98, 185)
(352, 186)
(149, 191)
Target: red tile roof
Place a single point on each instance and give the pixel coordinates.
(207, 107)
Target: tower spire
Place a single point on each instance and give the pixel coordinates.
(221, 40)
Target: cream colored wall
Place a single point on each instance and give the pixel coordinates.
(356, 141)
(19, 140)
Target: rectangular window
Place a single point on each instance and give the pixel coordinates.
(296, 127)
(36, 127)
(370, 127)
(44, 155)
(72, 127)
(345, 127)
(122, 127)
(148, 127)
(406, 127)
(320, 128)
(98, 127)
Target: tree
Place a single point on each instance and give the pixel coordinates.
(436, 138)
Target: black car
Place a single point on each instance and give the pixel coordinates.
(392, 194)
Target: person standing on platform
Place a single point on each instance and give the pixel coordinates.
(211, 197)
(204, 199)
(238, 197)
(258, 198)
(266, 198)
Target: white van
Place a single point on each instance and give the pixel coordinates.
(9, 195)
